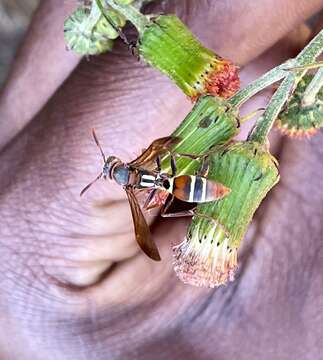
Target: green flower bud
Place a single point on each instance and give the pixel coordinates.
(208, 255)
(82, 35)
(88, 32)
(297, 120)
(168, 45)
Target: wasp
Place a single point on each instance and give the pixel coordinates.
(135, 175)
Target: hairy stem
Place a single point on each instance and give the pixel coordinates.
(267, 120)
(139, 20)
(261, 83)
(313, 89)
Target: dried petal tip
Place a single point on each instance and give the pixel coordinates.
(205, 259)
(223, 81)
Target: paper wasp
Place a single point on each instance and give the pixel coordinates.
(135, 176)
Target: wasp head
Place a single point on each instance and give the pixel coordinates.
(109, 164)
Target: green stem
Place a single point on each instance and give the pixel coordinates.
(261, 83)
(139, 20)
(274, 107)
(267, 120)
(313, 89)
(317, 64)
(311, 51)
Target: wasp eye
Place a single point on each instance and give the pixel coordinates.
(166, 184)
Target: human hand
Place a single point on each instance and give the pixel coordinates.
(74, 282)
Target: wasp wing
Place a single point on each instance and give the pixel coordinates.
(157, 147)
(142, 232)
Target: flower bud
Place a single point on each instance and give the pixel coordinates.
(297, 120)
(208, 255)
(88, 32)
(169, 46)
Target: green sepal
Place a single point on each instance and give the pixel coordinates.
(212, 122)
(169, 46)
(297, 120)
(250, 171)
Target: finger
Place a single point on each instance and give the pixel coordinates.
(42, 60)
(38, 188)
(43, 48)
(244, 29)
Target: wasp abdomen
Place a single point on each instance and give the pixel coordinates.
(197, 189)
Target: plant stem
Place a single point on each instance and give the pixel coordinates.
(313, 89)
(139, 20)
(261, 83)
(267, 120)
(317, 64)
(274, 107)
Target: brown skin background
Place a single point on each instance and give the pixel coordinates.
(73, 283)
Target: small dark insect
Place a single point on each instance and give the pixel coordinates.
(134, 176)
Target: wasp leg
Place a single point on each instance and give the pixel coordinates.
(158, 163)
(173, 165)
(167, 205)
(173, 157)
(190, 156)
(179, 214)
(204, 169)
(149, 198)
(132, 46)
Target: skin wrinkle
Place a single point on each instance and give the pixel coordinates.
(55, 327)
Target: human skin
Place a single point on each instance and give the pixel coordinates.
(74, 284)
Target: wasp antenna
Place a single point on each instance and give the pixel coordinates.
(90, 184)
(98, 145)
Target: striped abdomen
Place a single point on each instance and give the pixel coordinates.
(196, 189)
(146, 180)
